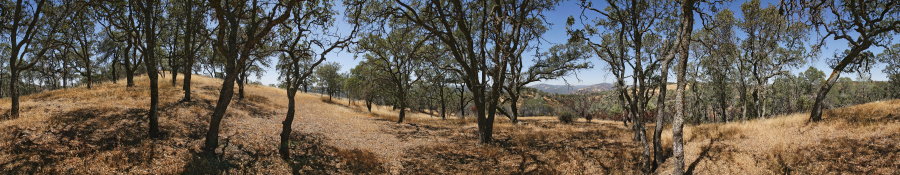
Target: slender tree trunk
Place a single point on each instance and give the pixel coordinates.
(115, 76)
(174, 72)
(241, 80)
(661, 111)
(513, 106)
(816, 114)
(129, 68)
(65, 74)
(687, 23)
(225, 95)
(13, 90)
(283, 148)
(150, 64)
(443, 104)
(462, 103)
(369, 105)
(90, 80)
(305, 88)
(188, 50)
(188, 59)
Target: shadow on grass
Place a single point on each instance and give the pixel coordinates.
(78, 134)
(311, 155)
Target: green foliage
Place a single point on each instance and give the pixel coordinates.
(565, 116)
(329, 79)
(536, 106)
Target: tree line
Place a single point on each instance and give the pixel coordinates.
(474, 57)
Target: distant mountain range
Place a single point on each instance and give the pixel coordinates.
(572, 89)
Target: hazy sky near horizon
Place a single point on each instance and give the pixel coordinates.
(599, 74)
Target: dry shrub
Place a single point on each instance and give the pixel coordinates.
(566, 117)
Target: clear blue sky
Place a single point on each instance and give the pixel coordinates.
(598, 74)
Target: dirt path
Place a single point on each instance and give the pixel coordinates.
(348, 128)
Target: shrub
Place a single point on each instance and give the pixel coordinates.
(566, 117)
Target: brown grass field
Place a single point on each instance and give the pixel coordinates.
(103, 131)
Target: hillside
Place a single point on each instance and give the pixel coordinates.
(102, 131)
(572, 89)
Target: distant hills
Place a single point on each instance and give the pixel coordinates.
(572, 89)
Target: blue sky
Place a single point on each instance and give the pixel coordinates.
(598, 74)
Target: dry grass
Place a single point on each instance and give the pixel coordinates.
(103, 131)
(861, 139)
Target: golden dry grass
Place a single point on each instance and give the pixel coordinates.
(861, 139)
(103, 131)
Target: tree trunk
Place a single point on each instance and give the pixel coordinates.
(13, 90)
(661, 112)
(369, 105)
(188, 52)
(462, 103)
(485, 124)
(129, 69)
(225, 95)
(65, 74)
(286, 124)
(513, 106)
(150, 64)
(816, 114)
(174, 75)
(401, 97)
(115, 76)
(90, 80)
(443, 104)
(687, 23)
(241, 80)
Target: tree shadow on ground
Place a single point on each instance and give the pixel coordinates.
(77, 134)
(530, 150)
(311, 155)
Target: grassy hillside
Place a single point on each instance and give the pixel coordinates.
(861, 139)
(103, 131)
